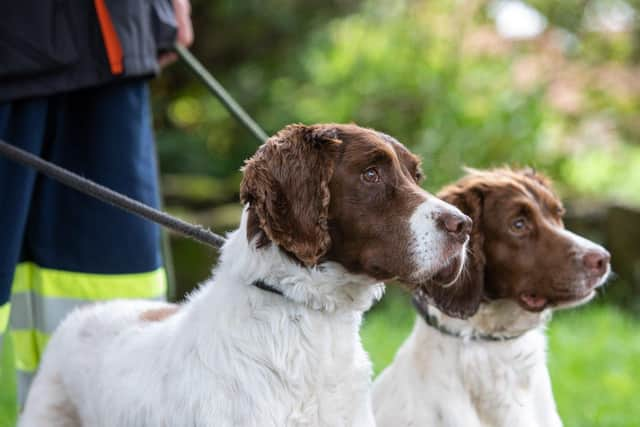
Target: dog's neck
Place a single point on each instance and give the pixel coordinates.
(498, 320)
(327, 287)
(486, 382)
(282, 348)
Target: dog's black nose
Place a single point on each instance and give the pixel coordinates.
(456, 224)
(596, 261)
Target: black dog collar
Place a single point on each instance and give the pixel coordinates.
(423, 309)
(261, 284)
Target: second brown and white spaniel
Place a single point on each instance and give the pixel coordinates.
(490, 369)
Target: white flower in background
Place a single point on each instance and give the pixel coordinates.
(515, 19)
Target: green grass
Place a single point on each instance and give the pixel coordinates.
(594, 359)
(595, 367)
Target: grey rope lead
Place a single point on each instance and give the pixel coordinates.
(223, 96)
(100, 192)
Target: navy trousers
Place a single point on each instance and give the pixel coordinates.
(59, 248)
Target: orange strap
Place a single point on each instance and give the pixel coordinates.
(110, 37)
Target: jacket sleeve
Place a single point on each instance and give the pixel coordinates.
(164, 24)
(144, 28)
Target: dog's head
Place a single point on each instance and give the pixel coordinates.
(350, 195)
(519, 248)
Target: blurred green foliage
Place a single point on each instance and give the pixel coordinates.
(435, 74)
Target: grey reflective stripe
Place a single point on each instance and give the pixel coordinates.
(24, 382)
(33, 311)
(30, 310)
(21, 317)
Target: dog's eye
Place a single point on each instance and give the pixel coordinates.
(419, 176)
(371, 175)
(519, 225)
(560, 211)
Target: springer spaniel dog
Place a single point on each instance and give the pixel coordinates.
(490, 369)
(272, 339)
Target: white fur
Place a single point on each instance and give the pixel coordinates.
(233, 355)
(439, 380)
(430, 244)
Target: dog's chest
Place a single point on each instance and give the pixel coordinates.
(500, 378)
(327, 371)
(294, 368)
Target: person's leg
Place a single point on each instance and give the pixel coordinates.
(23, 124)
(78, 249)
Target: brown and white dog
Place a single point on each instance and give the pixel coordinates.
(490, 369)
(272, 339)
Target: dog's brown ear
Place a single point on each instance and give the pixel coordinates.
(463, 297)
(286, 184)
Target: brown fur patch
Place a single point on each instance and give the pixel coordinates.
(286, 185)
(63, 409)
(159, 314)
(369, 221)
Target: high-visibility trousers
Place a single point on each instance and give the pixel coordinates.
(60, 249)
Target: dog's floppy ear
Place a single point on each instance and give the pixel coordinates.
(463, 297)
(286, 186)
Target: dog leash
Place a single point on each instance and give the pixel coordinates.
(100, 192)
(219, 92)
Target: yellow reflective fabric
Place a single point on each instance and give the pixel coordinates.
(8, 386)
(87, 286)
(28, 345)
(4, 317)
